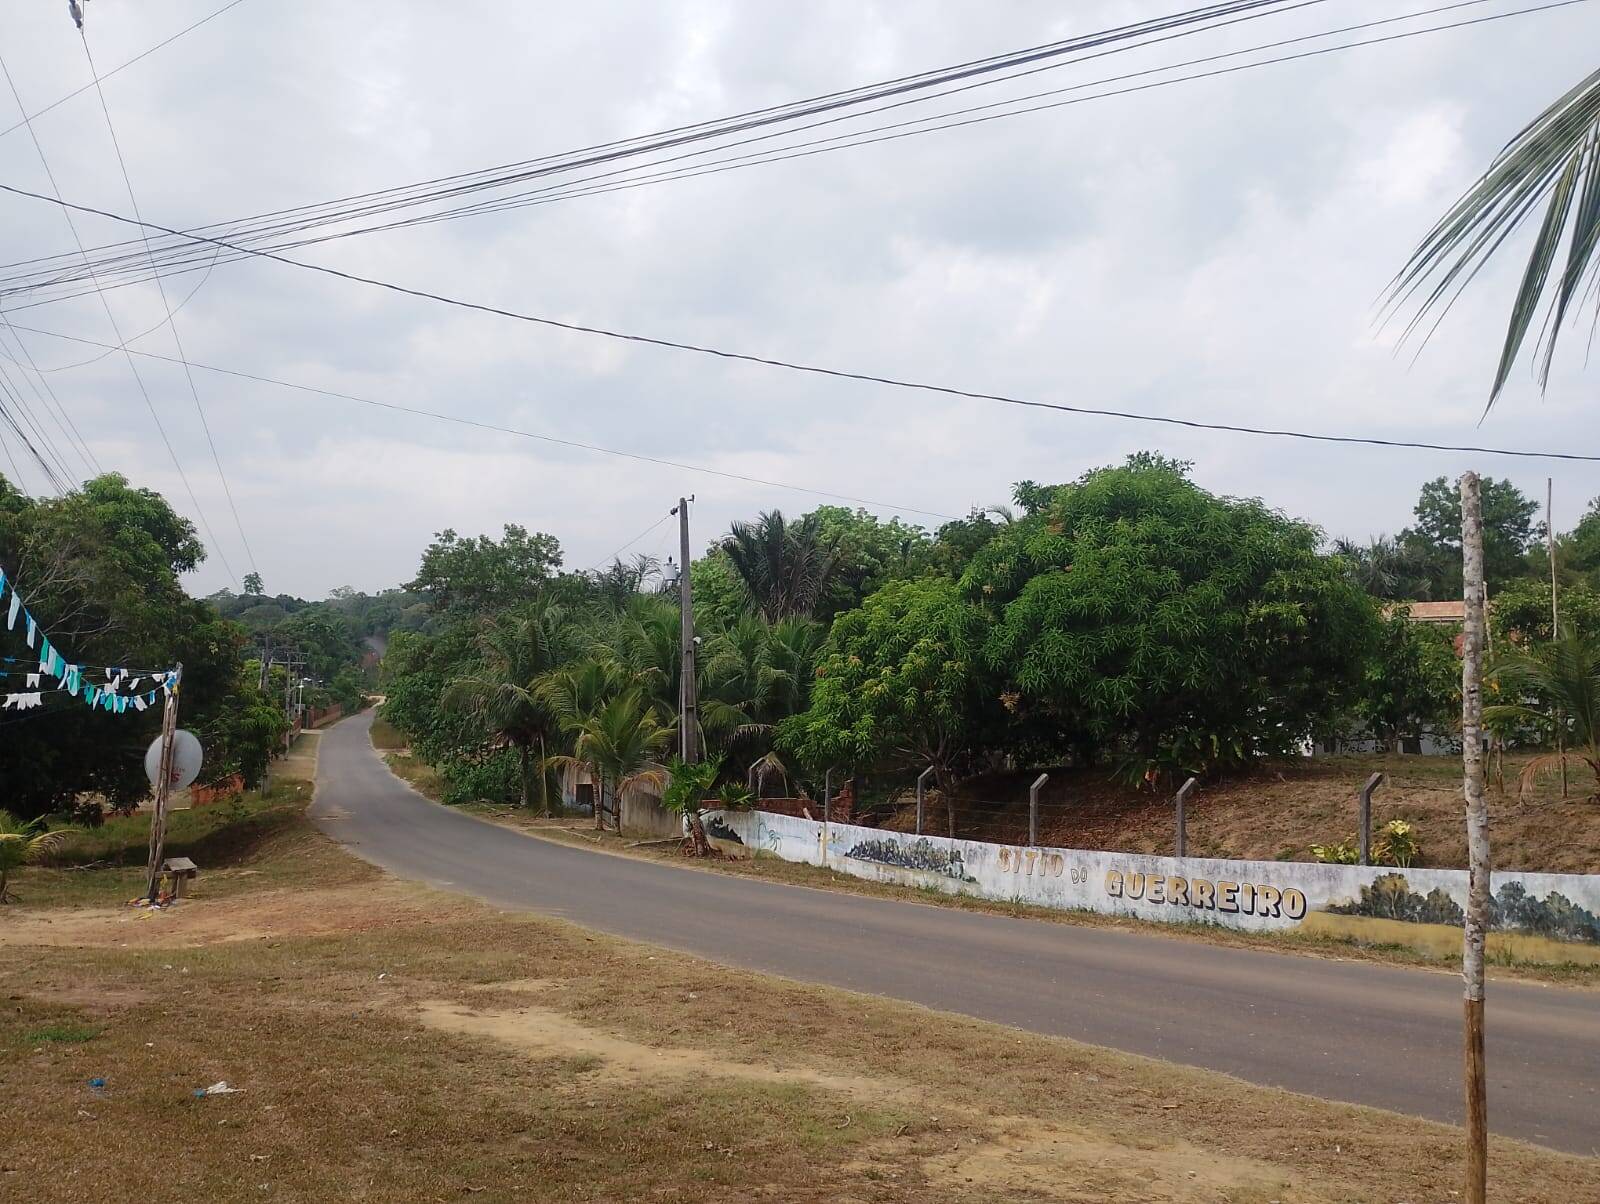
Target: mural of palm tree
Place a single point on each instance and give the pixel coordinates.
(1564, 677)
(621, 744)
(502, 692)
(1553, 162)
(785, 566)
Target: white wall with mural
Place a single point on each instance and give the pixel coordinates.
(1542, 917)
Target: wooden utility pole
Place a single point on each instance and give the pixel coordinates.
(1476, 924)
(688, 700)
(158, 819)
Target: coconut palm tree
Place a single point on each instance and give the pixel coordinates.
(785, 566)
(23, 844)
(502, 691)
(1386, 568)
(1562, 681)
(621, 744)
(1553, 163)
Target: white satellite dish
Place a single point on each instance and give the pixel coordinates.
(186, 758)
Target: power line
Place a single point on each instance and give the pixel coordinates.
(841, 373)
(578, 445)
(611, 559)
(59, 474)
(62, 418)
(171, 322)
(120, 67)
(116, 330)
(573, 189)
(1188, 22)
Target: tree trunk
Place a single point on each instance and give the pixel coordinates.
(544, 782)
(5, 895)
(599, 803)
(697, 832)
(524, 768)
(1476, 923)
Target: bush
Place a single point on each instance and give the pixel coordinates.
(491, 779)
(1343, 853)
(1397, 844)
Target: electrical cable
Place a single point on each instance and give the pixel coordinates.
(123, 66)
(237, 231)
(45, 439)
(607, 561)
(578, 445)
(847, 374)
(112, 319)
(171, 322)
(572, 189)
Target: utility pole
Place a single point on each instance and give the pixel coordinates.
(158, 819)
(1555, 613)
(688, 702)
(1476, 922)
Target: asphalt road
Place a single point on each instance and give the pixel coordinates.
(1383, 1036)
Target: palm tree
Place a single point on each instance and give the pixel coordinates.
(621, 744)
(502, 691)
(23, 844)
(785, 566)
(1563, 679)
(1386, 568)
(1555, 163)
(686, 794)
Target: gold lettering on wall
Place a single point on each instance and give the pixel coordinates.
(1202, 894)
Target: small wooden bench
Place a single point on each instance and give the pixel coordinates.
(175, 871)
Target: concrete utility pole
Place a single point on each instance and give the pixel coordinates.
(1555, 612)
(689, 703)
(1476, 923)
(158, 819)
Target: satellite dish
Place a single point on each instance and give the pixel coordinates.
(186, 758)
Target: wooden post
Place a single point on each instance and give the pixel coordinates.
(158, 818)
(1183, 798)
(827, 808)
(1476, 922)
(1373, 783)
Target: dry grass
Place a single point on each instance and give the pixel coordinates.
(1281, 810)
(386, 737)
(393, 1043)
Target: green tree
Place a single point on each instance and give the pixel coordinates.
(502, 692)
(1555, 161)
(1581, 550)
(1508, 530)
(1142, 616)
(485, 576)
(100, 571)
(1563, 679)
(869, 551)
(1521, 611)
(720, 598)
(688, 788)
(1413, 679)
(1388, 568)
(896, 683)
(252, 585)
(787, 568)
(621, 744)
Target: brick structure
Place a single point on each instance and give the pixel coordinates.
(841, 808)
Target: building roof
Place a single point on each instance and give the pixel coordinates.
(1454, 611)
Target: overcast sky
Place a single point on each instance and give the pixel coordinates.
(1210, 250)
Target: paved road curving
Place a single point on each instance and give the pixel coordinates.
(1383, 1036)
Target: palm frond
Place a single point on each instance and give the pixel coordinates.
(1553, 162)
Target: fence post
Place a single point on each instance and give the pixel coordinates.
(921, 778)
(750, 777)
(1373, 783)
(1033, 809)
(1183, 797)
(827, 806)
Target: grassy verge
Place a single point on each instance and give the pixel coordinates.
(391, 1042)
(232, 842)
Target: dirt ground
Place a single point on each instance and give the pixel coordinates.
(1281, 810)
(389, 1042)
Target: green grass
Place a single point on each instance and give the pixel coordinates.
(63, 1034)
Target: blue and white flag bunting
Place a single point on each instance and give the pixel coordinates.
(110, 696)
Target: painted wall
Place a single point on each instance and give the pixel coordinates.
(1545, 917)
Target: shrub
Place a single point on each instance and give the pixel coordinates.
(1343, 853)
(1397, 844)
(492, 779)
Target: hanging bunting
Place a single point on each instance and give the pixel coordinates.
(107, 697)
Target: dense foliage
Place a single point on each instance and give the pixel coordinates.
(100, 570)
